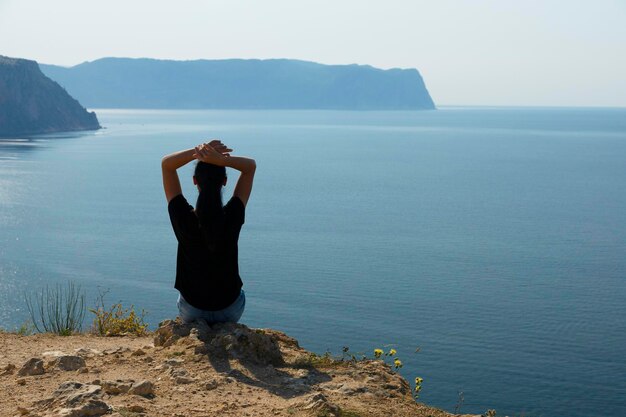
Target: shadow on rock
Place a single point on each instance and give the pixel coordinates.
(261, 352)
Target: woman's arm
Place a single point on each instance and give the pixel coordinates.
(170, 163)
(247, 167)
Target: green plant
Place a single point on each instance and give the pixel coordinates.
(379, 353)
(348, 357)
(58, 309)
(117, 320)
(313, 360)
(418, 387)
(346, 354)
(25, 329)
(397, 363)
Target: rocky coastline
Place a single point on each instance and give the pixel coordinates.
(186, 370)
(31, 103)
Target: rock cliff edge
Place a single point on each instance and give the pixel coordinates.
(31, 103)
(193, 370)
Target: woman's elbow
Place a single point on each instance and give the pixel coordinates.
(251, 166)
(165, 162)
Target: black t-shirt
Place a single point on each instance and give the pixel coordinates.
(208, 280)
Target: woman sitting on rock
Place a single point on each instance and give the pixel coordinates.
(207, 270)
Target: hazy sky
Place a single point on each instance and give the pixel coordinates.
(480, 52)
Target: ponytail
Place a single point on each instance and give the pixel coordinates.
(209, 207)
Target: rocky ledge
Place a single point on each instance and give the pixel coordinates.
(193, 370)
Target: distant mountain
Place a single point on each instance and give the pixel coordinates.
(32, 103)
(240, 84)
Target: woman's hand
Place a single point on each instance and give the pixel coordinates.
(211, 152)
(220, 147)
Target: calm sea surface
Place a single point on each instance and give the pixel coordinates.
(492, 238)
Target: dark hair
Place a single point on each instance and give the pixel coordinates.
(209, 207)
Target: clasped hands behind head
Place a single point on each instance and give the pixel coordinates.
(211, 152)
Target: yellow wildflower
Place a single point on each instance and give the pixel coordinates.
(398, 363)
(378, 352)
(392, 352)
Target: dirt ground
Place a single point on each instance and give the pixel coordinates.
(232, 371)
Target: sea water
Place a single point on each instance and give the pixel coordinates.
(486, 245)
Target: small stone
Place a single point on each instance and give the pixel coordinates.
(181, 376)
(138, 352)
(351, 390)
(33, 366)
(211, 385)
(69, 363)
(54, 353)
(87, 352)
(144, 388)
(21, 381)
(23, 411)
(184, 380)
(116, 387)
(321, 405)
(82, 371)
(90, 408)
(178, 372)
(173, 362)
(112, 351)
(8, 369)
(136, 408)
(75, 392)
